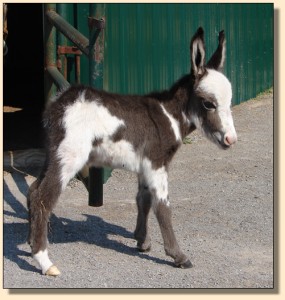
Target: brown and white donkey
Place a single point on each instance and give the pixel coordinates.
(137, 133)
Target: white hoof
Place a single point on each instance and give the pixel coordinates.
(52, 271)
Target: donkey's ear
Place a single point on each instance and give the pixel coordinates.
(218, 58)
(197, 52)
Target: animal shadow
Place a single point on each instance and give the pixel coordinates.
(94, 230)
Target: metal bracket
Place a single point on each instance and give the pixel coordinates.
(95, 23)
(68, 50)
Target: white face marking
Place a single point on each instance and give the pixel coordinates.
(83, 121)
(43, 260)
(216, 84)
(219, 87)
(174, 123)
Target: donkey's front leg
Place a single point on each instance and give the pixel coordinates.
(144, 205)
(163, 215)
(162, 211)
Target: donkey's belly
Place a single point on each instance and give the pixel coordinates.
(120, 154)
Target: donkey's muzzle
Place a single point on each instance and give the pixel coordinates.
(230, 139)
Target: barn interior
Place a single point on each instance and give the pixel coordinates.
(23, 78)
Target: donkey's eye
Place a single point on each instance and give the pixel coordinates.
(209, 105)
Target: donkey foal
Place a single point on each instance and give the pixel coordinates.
(138, 133)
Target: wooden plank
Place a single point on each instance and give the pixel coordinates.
(24, 158)
(34, 158)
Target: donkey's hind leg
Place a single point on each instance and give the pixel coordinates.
(33, 187)
(42, 197)
(144, 205)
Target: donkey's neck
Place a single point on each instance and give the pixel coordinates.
(176, 102)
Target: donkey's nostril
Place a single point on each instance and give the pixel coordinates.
(229, 140)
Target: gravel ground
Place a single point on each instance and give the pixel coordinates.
(222, 205)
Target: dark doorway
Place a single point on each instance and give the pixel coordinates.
(23, 73)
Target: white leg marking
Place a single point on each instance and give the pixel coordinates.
(156, 180)
(43, 260)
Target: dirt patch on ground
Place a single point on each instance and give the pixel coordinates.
(222, 213)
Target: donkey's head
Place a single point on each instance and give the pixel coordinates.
(212, 93)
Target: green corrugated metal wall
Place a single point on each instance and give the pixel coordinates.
(147, 45)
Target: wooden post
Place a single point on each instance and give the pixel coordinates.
(96, 24)
(50, 54)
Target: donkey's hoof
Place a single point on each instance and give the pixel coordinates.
(186, 265)
(52, 271)
(144, 250)
(144, 246)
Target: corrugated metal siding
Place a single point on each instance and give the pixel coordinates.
(147, 45)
